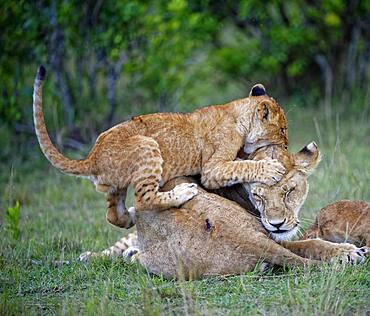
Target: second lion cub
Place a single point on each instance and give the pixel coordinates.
(149, 150)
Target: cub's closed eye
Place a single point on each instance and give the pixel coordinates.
(259, 202)
(289, 191)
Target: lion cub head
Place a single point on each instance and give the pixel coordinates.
(280, 204)
(268, 121)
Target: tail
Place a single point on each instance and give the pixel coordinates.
(122, 245)
(127, 246)
(74, 167)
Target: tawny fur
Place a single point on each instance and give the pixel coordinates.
(343, 221)
(149, 150)
(211, 235)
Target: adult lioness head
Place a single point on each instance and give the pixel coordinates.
(280, 204)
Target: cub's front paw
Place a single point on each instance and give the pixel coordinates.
(185, 192)
(272, 171)
(349, 253)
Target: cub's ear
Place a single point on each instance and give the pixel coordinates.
(257, 90)
(263, 110)
(307, 159)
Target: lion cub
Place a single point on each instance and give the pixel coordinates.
(149, 150)
(343, 221)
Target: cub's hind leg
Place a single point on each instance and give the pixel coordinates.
(117, 214)
(147, 177)
(137, 162)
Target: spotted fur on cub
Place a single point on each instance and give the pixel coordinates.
(149, 150)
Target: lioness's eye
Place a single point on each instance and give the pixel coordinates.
(256, 197)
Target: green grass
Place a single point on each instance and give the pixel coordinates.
(62, 216)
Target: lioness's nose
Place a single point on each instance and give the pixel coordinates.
(277, 223)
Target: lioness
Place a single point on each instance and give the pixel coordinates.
(211, 235)
(149, 150)
(343, 221)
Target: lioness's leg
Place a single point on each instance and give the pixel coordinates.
(274, 253)
(122, 245)
(147, 176)
(325, 250)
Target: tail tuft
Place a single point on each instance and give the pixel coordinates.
(41, 73)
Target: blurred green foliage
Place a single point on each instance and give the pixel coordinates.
(12, 217)
(109, 60)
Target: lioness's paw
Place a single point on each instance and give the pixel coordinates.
(86, 256)
(131, 254)
(272, 171)
(185, 192)
(349, 253)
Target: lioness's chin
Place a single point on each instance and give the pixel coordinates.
(284, 236)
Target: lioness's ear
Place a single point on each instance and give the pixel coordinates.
(257, 90)
(307, 159)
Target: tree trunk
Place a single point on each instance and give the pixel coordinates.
(351, 58)
(91, 77)
(114, 70)
(327, 75)
(56, 59)
(111, 94)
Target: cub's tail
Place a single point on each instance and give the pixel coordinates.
(64, 164)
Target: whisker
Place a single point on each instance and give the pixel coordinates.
(307, 219)
(299, 233)
(308, 223)
(302, 219)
